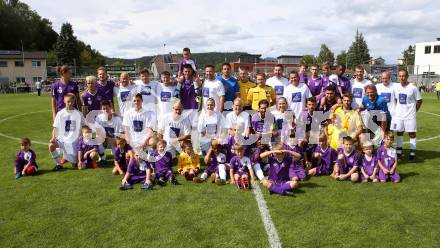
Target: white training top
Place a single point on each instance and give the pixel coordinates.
(358, 91)
(212, 89)
(149, 94)
(241, 121)
(387, 92)
(174, 127)
(406, 99)
(296, 97)
(139, 123)
(278, 85)
(164, 99)
(112, 126)
(68, 124)
(124, 96)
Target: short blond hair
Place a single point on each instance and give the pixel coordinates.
(90, 79)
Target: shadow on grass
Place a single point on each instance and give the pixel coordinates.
(421, 156)
(409, 174)
(310, 185)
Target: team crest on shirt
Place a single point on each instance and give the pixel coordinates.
(350, 160)
(146, 90)
(90, 101)
(60, 89)
(279, 90)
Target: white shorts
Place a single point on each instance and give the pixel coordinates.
(407, 125)
(69, 151)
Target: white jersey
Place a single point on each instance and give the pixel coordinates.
(139, 123)
(172, 128)
(212, 89)
(149, 94)
(238, 122)
(210, 127)
(278, 85)
(296, 97)
(112, 126)
(358, 91)
(406, 99)
(124, 95)
(68, 124)
(164, 99)
(387, 92)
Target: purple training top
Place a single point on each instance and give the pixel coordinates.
(106, 90)
(188, 94)
(29, 157)
(237, 166)
(162, 162)
(369, 166)
(279, 171)
(120, 156)
(386, 156)
(345, 84)
(328, 158)
(315, 85)
(260, 125)
(351, 161)
(303, 77)
(92, 102)
(59, 90)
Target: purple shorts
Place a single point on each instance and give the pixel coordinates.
(393, 177)
(298, 172)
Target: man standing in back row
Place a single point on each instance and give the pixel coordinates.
(277, 81)
(232, 90)
(408, 102)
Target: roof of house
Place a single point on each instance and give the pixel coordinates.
(289, 56)
(162, 61)
(11, 54)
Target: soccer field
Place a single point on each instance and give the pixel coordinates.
(72, 208)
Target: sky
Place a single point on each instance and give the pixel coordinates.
(136, 28)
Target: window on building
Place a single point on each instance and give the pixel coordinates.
(427, 49)
(36, 63)
(19, 63)
(437, 49)
(3, 63)
(21, 80)
(36, 79)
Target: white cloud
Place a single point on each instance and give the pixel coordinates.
(135, 28)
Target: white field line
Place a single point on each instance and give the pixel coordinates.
(271, 231)
(19, 115)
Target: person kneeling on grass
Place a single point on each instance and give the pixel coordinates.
(323, 158)
(348, 161)
(123, 153)
(368, 164)
(188, 163)
(87, 153)
(387, 159)
(136, 173)
(25, 160)
(241, 168)
(161, 162)
(215, 165)
(281, 162)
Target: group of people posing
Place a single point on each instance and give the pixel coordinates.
(276, 130)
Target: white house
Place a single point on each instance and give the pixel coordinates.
(427, 58)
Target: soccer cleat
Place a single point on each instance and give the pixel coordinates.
(399, 152)
(94, 165)
(102, 163)
(412, 158)
(63, 161)
(147, 186)
(197, 180)
(289, 193)
(188, 177)
(18, 175)
(245, 184)
(57, 167)
(219, 181)
(126, 186)
(161, 182)
(174, 182)
(212, 178)
(239, 184)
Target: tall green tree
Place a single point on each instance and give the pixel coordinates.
(66, 48)
(358, 52)
(341, 59)
(325, 55)
(409, 56)
(309, 59)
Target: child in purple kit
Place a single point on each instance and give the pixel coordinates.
(91, 97)
(123, 154)
(241, 168)
(136, 173)
(368, 164)
(87, 153)
(387, 159)
(215, 165)
(281, 161)
(161, 161)
(348, 162)
(25, 160)
(260, 166)
(323, 158)
(186, 54)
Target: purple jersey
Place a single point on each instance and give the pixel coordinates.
(315, 85)
(186, 62)
(260, 125)
(59, 90)
(213, 162)
(27, 157)
(325, 82)
(329, 104)
(106, 90)
(387, 156)
(369, 165)
(92, 101)
(240, 165)
(188, 94)
(303, 77)
(162, 162)
(345, 85)
(279, 171)
(351, 160)
(328, 159)
(120, 156)
(84, 147)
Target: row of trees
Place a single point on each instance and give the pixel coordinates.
(358, 53)
(23, 28)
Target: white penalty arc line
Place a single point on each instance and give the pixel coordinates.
(271, 231)
(19, 115)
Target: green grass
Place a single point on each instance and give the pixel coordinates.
(85, 208)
